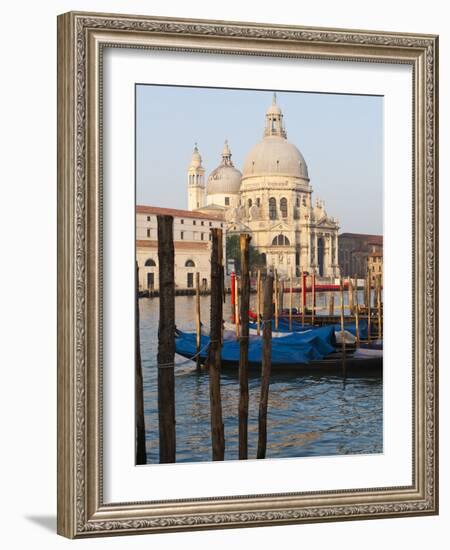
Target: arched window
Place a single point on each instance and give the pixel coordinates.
(150, 263)
(280, 240)
(298, 202)
(189, 263)
(283, 207)
(249, 202)
(272, 208)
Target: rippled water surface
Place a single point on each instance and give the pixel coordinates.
(308, 415)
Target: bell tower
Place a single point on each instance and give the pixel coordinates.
(196, 181)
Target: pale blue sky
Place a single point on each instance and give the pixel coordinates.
(340, 137)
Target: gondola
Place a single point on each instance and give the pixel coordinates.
(313, 351)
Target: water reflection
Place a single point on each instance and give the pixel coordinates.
(307, 416)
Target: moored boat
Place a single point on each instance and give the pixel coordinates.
(311, 351)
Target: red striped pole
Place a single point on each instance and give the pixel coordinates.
(233, 297)
(313, 310)
(304, 289)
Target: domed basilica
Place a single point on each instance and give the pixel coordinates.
(272, 200)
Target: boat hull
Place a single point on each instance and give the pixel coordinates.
(333, 364)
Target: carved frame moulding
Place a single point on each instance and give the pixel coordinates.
(82, 38)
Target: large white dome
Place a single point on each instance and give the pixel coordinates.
(274, 155)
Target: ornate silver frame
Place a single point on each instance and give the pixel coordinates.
(81, 37)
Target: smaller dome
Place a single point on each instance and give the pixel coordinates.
(225, 179)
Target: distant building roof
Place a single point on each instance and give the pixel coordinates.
(179, 245)
(157, 210)
(370, 239)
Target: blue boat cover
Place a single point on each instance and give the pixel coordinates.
(283, 326)
(296, 348)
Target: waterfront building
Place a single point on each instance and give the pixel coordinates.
(354, 252)
(191, 233)
(375, 265)
(272, 201)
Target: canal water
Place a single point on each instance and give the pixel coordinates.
(308, 415)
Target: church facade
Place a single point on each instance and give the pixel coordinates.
(271, 199)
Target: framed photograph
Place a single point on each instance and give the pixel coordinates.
(247, 283)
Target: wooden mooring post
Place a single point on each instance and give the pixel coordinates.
(300, 293)
(236, 305)
(276, 290)
(141, 454)
(265, 367)
(233, 296)
(357, 312)
(313, 297)
(198, 323)
(215, 346)
(344, 358)
(365, 292)
(243, 347)
(303, 297)
(258, 303)
(379, 315)
(290, 298)
(350, 295)
(166, 341)
(369, 305)
(331, 305)
(261, 301)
